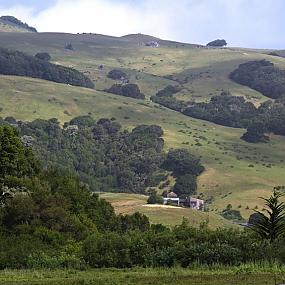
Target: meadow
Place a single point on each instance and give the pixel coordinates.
(196, 276)
(166, 215)
(237, 173)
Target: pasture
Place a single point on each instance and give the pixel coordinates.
(237, 173)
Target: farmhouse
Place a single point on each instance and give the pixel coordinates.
(153, 44)
(188, 202)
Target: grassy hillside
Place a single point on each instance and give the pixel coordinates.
(237, 172)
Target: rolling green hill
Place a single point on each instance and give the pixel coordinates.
(237, 173)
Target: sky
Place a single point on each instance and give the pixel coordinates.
(243, 23)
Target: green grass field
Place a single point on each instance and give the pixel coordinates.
(202, 276)
(167, 215)
(236, 173)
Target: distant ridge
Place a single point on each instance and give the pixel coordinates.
(12, 24)
(143, 39)
(140, 37)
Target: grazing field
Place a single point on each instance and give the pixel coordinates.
(237, 173)
(203, 276)
(160, 214)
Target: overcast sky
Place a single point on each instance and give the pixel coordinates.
(246, 23)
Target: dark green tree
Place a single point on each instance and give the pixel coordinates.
(15, 159)
(217, 43)
(182, 162)
(43, 56)
(154, 198)
(185, 185)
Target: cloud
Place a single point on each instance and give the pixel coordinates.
(251, 23)
(102, 16)
(20, 11)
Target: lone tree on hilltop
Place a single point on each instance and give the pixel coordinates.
(217, 43)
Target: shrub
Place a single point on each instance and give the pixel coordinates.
(117, 74)
(43, 56)
(128, 90)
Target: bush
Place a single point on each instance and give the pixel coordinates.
(43, 56)
(117, 74)
(128, 90)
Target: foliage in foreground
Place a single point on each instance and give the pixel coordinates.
(51, 220)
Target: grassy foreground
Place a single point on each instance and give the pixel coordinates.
(203, 276)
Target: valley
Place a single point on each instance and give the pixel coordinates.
(237, 172)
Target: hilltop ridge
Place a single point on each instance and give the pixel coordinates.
(12, 24)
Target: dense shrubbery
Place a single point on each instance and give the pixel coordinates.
(165, 97)
(15, 21)
(20, 64)
(108, 159)
(168, 91)
(169, 102)
(51, 220)
(102, 155)
(225, 109)
(262, 76)
(232, 111)
(270, 118)
(127, 90)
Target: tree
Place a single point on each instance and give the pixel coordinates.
(271, 226)
(68, 46)
(256, 132)
(117, 74)
(43, 56)
(217, 43)
(185, 185)
(15, 159)
(154, 198)
(182, 162)
(127, 90)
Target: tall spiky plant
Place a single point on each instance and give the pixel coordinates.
(272, 225)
